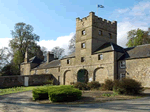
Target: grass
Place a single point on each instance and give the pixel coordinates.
(16, 89)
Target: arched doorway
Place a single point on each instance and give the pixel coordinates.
(68, 77)
(100, 74)
(82, 76)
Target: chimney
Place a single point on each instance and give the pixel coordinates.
(50, 57)
(26, 59)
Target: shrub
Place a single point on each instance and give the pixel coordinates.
(40, 93)
(62, 94)
(108, 85)
(81, 86)
(93, 85)
(127, 86)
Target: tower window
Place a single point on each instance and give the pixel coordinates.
(100, 57)
(68, 61)
(83, 45)
(100, 32)
(83, 32)
(82, 59)
(110, 35)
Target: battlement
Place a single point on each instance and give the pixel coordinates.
(93, 20)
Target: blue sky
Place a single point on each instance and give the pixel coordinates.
(55, 20)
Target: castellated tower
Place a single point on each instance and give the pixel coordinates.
(92, 32)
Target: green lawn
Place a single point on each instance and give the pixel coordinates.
(16, 89)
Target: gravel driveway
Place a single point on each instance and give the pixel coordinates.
(21, 102)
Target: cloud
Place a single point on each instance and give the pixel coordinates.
(62, 41)
(122, 10)
(4, 42)
(131, 18)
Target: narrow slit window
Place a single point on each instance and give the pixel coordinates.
(68, 61)
(100, 57)
(83, 45)
(82, 59)
(100, 32)
(83, 32)
(110, 35)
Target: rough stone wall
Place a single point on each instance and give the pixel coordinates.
(55, 72)
(25, 69)
(18, 80)
(92, 65)
(138, 69)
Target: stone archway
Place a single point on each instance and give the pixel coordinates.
(68, 77)
(100, 74)
(82, 76)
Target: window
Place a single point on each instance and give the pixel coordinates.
(82, 59)
(122, 75)
(110, 36)
(83, 32)
(83, 45)
(35, 71)
(100, 57)
(100, 32)
(46, 70)
(68, 61)
(122, 64)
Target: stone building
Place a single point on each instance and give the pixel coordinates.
(97, 57)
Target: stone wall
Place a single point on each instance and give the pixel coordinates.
(18, 80)
(138, 69)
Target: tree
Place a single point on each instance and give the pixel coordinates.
(58, 52)
(23, 38)
(5, 57)
(9, 69)
(72, 44)
(137, 37)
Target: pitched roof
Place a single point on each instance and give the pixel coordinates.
(54, 63)
(34, 60)
(137, 52)
(106, 47)
(69, 56)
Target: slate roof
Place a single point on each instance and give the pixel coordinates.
(69, 56)
(140, 51)
(34, 60)
(54, 63)
(109, 47)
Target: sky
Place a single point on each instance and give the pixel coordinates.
(55, 20)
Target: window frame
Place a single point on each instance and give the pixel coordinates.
(68, 61)
(99, 57)
(82, 59)
(121, 64)
(82, 45)
(83, 32)
(110, 35)
(101, 32)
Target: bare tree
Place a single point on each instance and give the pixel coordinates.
(5, 57)
(72, 44)
(58, 52)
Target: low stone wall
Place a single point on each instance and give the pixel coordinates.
(19, 80)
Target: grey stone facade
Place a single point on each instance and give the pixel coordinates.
(97, 56)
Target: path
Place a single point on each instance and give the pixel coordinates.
(21, 102)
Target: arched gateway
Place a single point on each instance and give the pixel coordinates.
(82, 76)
